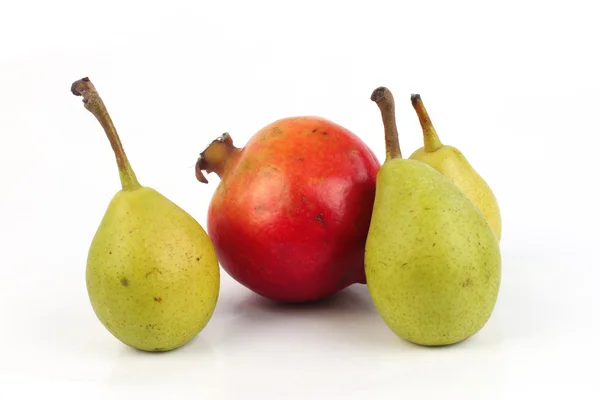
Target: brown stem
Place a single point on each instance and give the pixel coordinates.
(385, 101)
(94, 104)
(430, 137)
(216, 157)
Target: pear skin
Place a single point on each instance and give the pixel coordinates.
(432, 261)
(152, 273)
(452, 163)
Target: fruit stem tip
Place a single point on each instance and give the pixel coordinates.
(415, 98)
(378, 94)
(78, 87)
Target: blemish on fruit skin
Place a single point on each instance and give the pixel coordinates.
(275, 131)
(124, 282)
(158, 299)
(260, 209)
(466, 283)
(320, 217)
(314, 130)
(153, 270)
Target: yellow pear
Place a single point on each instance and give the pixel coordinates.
(152, 273)
(432, 262)
(452, 163)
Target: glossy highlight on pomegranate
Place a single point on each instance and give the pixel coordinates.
(290, 217)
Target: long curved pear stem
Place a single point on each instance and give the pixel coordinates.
(385, 101)
(94, 104)
(430, 137)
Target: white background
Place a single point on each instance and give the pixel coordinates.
(513, 84)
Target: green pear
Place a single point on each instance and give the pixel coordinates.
(432, 262)
(452, 163)
(152, 272)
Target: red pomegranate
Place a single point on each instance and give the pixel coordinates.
(290, 217)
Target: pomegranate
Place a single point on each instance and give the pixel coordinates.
(290, 217)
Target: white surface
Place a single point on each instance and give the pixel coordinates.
(514, 85)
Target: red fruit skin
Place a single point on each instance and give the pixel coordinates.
(290, 217)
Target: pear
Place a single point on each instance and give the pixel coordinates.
(152, 273)
(432, 262)
(452, 163)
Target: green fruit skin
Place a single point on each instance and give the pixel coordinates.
(451, 163)
(152, 273)
(433, 263)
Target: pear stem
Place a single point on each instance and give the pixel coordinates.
(385, 101)
(430, 137)
(94, 104)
